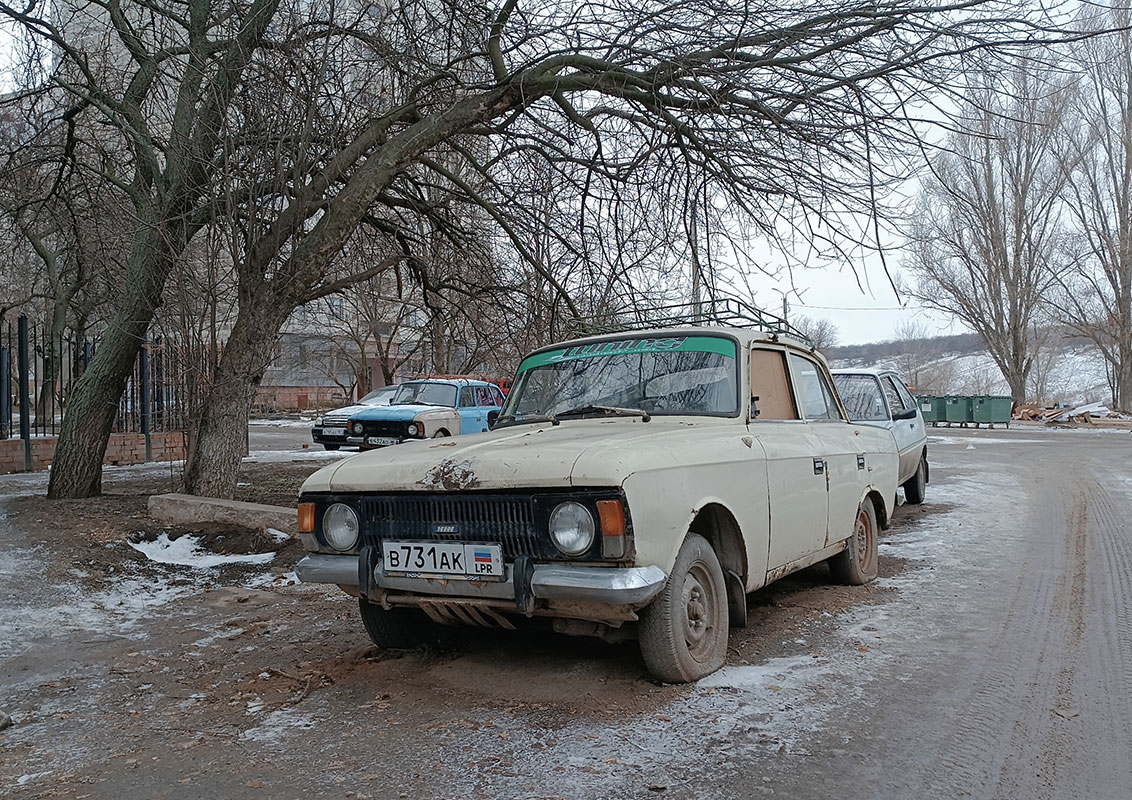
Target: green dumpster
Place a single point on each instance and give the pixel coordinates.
(933, 408)
(991, 409)
(958, 409)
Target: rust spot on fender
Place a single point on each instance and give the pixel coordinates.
(450, 476)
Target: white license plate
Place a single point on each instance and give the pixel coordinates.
(382, 440)
(447, 559)
(333, 431)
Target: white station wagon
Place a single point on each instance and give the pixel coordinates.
(635, 484)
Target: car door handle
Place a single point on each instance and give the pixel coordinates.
(819, 466)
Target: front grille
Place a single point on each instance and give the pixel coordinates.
(507, 519)
(335, 422)
(372, 428)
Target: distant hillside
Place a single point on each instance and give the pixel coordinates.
(1069, 370)
(957, 344)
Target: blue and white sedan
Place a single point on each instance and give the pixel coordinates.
(427, 409)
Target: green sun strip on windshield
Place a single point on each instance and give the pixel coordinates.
(620, 347)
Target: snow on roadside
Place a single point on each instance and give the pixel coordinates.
(186, 551)
(283, 423)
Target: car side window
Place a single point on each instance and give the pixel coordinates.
(895, 401)
(814, 394)
(905, 395)
(467, 397)
(497, 396)
(483, 396)
(770, 383)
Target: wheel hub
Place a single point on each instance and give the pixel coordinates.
(698, 611)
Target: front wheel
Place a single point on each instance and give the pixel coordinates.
(917, 486)
(857, 563)
(395, 628)
(440, 434)
(683, 632)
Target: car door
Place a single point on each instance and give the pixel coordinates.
(795, 479)
(907, 432)
(469, 412)
(836, 441)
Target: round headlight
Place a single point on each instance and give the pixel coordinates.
(357, 427)
(414, 429)
(572, 528)
(340, 526)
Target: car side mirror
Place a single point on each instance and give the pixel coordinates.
(907, 414)
(492, 417)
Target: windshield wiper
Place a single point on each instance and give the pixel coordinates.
(631, 412)
(519, 419)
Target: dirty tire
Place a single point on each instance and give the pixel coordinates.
(857, 563)
(917, 486)
(395, 628)
(440, 434)
(331, 446)
(683, 632)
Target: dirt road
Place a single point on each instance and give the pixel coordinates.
(992, 660)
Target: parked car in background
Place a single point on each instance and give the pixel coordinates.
(427, 409)
(879, 398)
(635, 485)
(330, 429)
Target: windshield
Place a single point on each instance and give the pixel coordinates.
(379, 397)
(429, 394)
(671, 375)
(861, 396)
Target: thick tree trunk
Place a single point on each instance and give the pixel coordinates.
(76, 470)
(213, 464)
(1123, 384)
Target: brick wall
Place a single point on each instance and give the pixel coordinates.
(123, 448)
(299, 398)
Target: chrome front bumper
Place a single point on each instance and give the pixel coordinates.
(628, 586)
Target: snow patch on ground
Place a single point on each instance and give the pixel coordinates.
(283, 423)
(186, 551)
(278, 724)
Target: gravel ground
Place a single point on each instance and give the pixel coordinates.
(992, 659)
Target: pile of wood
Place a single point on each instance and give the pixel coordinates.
(1095, 414)
(1034, 412)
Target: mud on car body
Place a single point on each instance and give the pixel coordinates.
(637, 484)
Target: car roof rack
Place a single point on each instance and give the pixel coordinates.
(722, 311)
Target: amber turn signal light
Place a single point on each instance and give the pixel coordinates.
(306, 517)
(612, 516)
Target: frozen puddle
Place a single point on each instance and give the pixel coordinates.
(186, 551)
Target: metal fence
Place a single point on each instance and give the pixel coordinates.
(38, 372)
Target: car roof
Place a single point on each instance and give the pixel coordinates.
(450, 381)
(743, 335)
(876, 373)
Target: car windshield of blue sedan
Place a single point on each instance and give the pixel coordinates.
(665, 375)
(425, 394)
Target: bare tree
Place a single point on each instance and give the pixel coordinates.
(916, 352)
(821, 332)
(988, 234)
(1096, 296)
(291, 123)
